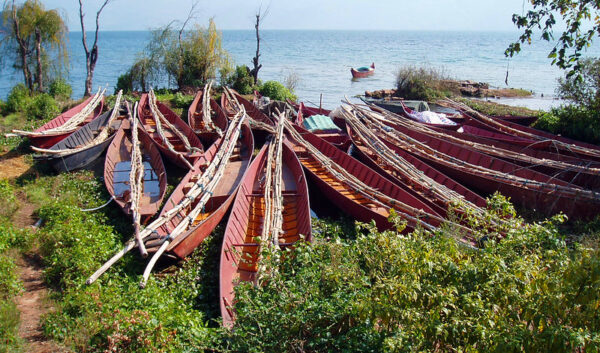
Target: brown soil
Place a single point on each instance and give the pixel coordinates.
(13, 165)
(32, 303)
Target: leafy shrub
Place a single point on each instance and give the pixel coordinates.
(276, 91)
(9, 280)
(582, 89)
(18, 99)
(125, 83)
(61, 89)
(182, 101)
(422, 83)
(577, 122)
(8, 202)
(9, 327)
(240, 80)
(418, 292)
(43, 107)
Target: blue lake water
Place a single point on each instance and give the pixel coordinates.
(322, 59)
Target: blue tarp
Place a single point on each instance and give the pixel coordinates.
(320, 123)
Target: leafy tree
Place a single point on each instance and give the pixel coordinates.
(581, 19)
(34, 39)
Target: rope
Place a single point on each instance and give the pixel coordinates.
(136, 179)
(99, 207)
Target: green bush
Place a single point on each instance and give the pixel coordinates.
(59, 88)
(240, 80)
(276, 91)
(182, 101)
(8, 201)
(422, 83)
(9, 279)
(10, 342)
(18, 99)
(43, 107)
(425, 292)
(576, 122)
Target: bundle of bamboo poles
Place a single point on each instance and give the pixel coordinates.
(377, 122)
(104, 134)
(273, 221)
(406, 169)
(490, 149)
(160, 119)
(198, 194)
(409, 213)
(136, 179)
(207, 121)
(70, 125)
(512, 131)
(253, 123)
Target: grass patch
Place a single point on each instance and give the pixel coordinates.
(492, 108)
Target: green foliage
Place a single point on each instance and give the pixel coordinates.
(42, 107)
(240, 80)
(125, 83)
(10, 342)
(579, 18)
(276, 91)
(18, 99)
(8, 201)
(181, 100)
(576, 122)
(187, 58)
(422, 83)
(583, 90)
(424, 292)
(9, 280)
(60, 89)
(37, 28)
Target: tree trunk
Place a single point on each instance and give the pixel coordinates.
(39, 77)
(90, 65)
(254, 71)
(23, 49)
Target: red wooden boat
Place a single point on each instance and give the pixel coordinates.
(149, 124)
(309, 110)
(251, 109)
(217, 205)
(195, 118)
(363, 72)
(419, 117)
(549, 202)
(350, 200)
(366, 155)
(338, 138)
(117, 167)
(504, 142)
(81, 148)
(241, 244)
(521, 120)
(42, 138)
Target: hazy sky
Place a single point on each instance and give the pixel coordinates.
(476, 15)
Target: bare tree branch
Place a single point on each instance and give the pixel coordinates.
(83, 36)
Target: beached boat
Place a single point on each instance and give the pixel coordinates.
(66, 123)
(487, 174)
(521, 120)
(365, 153)
(216, 207)
(345, 195)
(174, 138)
(117, 169)
(363, 72)
(208, 130)
(85, 145)
(251, 109)
(322, 126)
(244, 236)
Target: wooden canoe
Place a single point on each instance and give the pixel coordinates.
(568, 175)
(49, 140)
(217, 205)
(547, 203)
(339, 139)
(195, 115)
(363, 72)
(83, 136)
(251, 109)
(241, 247)
(145, 116)
(366, 155)
(117, 167)
(521, 120)
(346, 198)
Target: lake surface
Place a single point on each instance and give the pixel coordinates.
(322, 59)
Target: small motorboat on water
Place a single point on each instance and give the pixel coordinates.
(362, 72)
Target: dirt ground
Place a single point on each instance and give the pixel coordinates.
(13, 165)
